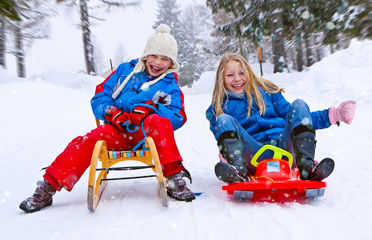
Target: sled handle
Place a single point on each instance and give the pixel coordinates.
(278, 154)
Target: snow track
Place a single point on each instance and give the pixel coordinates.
(39, 118)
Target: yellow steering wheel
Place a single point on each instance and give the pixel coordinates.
(278, 154)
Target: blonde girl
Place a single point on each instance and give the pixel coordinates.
(248, 112)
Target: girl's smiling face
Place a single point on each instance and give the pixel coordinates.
(235, 79)
(157, 64)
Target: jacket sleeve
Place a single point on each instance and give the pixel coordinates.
(212, 121)
(281, 105)
(103, 97)
(319, 118)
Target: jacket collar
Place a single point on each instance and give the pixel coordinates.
(232, 95)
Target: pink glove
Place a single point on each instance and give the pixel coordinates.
(343, 113)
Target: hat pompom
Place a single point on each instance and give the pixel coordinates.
(163, 28)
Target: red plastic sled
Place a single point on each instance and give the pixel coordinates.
(275, 181)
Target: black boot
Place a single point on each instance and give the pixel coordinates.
(233, 150)
(176, 187)
(304, 146)
(40, 199)
(228, 173)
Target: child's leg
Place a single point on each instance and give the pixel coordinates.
(299, 137)
(70, 165)
(228, 128)
(161, 130)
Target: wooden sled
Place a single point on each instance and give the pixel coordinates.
(98, 176)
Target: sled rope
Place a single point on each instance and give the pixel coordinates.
(142, 142)
(254, 177)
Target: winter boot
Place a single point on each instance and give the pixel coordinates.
(41, 198)
(176, 187)
(304, 146)
(233, 150)
(228, 173)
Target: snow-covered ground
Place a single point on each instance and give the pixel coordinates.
(41, 115)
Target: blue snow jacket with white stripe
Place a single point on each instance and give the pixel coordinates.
(268, 126)
(165, 94)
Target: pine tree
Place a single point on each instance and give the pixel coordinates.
(358, 18)
(87, 41)
(10, 9)
(2, 42)
(192, 54)
(304, 19)
(85, 25)
(184, 31)
(203, 27)
(227, 42)
(33, 25)
(168, 12)
(252, 20)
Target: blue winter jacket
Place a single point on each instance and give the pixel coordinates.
(271, 124)
(165, 93)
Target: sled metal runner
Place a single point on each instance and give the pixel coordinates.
(102, 156)
(126, 169)
(126, 178)
(275, 180)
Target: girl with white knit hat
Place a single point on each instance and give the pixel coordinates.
(142, 91)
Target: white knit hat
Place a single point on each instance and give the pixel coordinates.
(159, 43)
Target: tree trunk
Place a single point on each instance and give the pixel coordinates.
(240, 47)
(318, 48)
(309, 53)
(279, 57)
(331, 48)
(299, 59)
(294, 62)
(2, 43)
(19, 53)
(87, 42)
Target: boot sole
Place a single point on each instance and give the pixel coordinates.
(180, 199)
(227, 173)
(27, 210)
(323, 169)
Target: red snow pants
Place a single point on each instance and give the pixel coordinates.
(70, 165)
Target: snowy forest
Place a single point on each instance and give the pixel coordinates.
(293, 34)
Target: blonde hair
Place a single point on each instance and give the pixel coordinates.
(251, 88)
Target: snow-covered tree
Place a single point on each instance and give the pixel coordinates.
(226, 42)
(85, 25)
(2, 42)
(33, 25)
(203, 26)
(184, 29)
(191, 50)
(252, 20)
(168, 12)
(356, 18)
(10, 10)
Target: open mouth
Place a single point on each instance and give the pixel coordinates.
(238, 86)
(155, 69)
